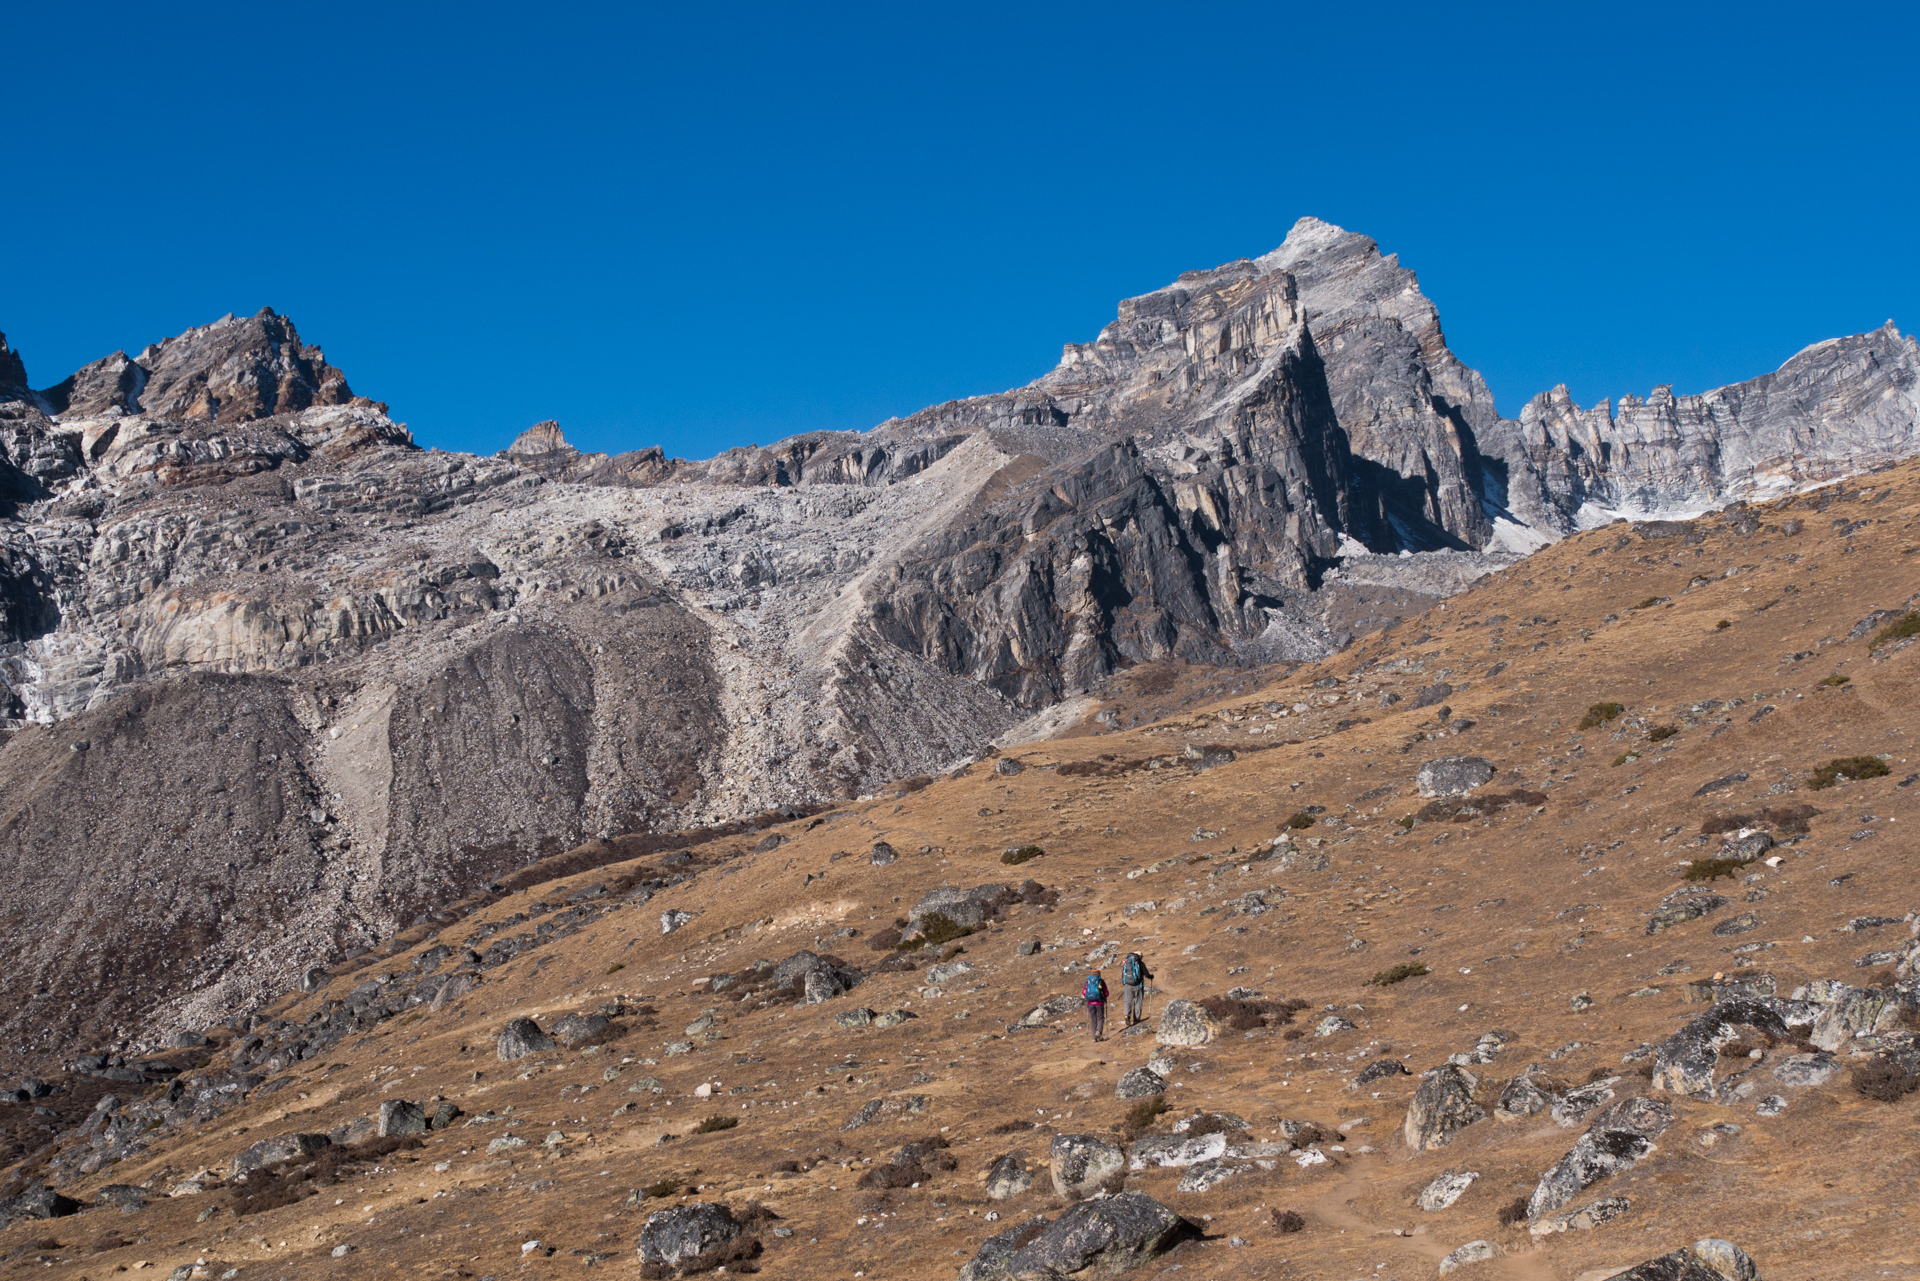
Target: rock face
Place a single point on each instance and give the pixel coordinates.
(1707, 1260)
(256, 600)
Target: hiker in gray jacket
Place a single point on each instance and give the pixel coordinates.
(1133, 987)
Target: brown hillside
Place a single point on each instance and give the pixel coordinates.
(1530, 902)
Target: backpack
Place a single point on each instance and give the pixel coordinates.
(1133, 970)
(1096, 989)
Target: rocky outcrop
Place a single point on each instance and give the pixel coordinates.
(1442, 1105)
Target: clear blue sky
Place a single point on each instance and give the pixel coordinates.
(703, 225)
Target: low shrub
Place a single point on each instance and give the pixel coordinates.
(1404, 970)
(1404, 821)
(1906, 625)
(1834, 681)
(1710, 869)
(1513, 1212)
(1661, 733)
(1245, 1016)
(1600, 714)
(1287, 1221)
(1464, 809)
(714, 1124)
(1885, 1080)
(1021, 854)
(1841, 768)
(663, 1189)
(1293, 1034)
(1141, 1115)
(1650, 602)
(288, 1182)
(1722, 625)
(1624, 757)
(1789, 820)
(616, 967)
(1301, 821)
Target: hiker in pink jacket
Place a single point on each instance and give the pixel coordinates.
(1096, 996)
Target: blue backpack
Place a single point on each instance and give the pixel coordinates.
(1131, 970)
(1096, 989)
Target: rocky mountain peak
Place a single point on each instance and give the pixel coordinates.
(13, 373)
(233, 370)
(539, 439)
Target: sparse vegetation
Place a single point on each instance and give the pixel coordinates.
(1513, 1212)
(1722, 625)
(1661, 733)
(1650, 602)
(1842, 768)
(713, 1124)
(1464, 809)
(1884, 1079)
(1834, 681)
(1244, 1016)
(1404, 970)
(1600, 714)
(1708, 869)
(616, 967)
(1301, 821)
(1908, 624)
(1789, 820)
(1286, 1221)
(1021, 854)
(1404, 821)
(664, 1188)
(288, 1182)
(1141, 1115)
(1624, 757)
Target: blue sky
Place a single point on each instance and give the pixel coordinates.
(702, 229)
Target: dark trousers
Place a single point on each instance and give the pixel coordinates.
(1135, 995)
(1097, 1018)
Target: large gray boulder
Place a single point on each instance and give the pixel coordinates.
(1684, 1062)
(1453, 775)
(1099, 1238)
(1526, 1095)
(1446, 1188)
(37, 1202)
(521, 1037)
(281, 1147)
(1084, 1164)
(681, 1233)
(1442, 1106)
(968, 907)
(1184, 1023)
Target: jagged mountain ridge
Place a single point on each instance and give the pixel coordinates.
(441, 665)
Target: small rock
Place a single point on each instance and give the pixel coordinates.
(882, 854)
(1006, 766)
(672, 919)
(1471, 1252)
(1772, 1105)
(1006, 1178)
(506, 1143)
(1445, 1189)
(342, 1251)
(1204, 1176)
(1331, 1024)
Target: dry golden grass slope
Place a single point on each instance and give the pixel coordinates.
(1725, 636)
